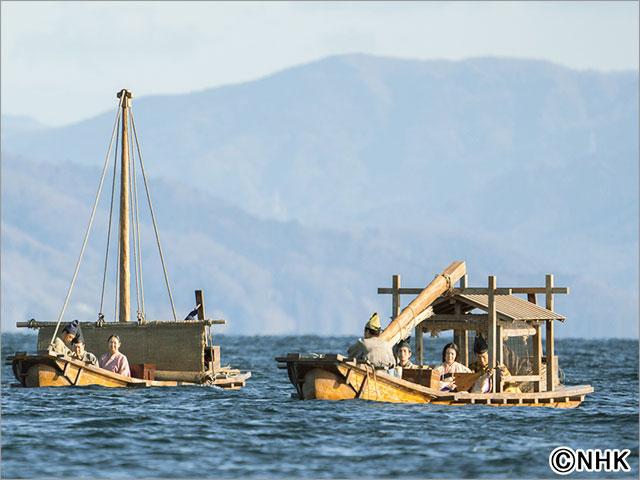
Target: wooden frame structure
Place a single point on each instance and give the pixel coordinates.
(504, 315)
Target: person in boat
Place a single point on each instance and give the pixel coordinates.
(449, 367)
(404, 355)
(80, 353)
(62, 343)
(372, 349)
(114, 360)
(480, 365)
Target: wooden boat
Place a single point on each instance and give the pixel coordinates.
(335, 377)
(47, 370)
(160, 353)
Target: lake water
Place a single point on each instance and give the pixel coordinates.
(260, 431)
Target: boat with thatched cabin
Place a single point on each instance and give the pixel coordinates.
(513, 327)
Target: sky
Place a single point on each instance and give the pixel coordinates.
(63, 62)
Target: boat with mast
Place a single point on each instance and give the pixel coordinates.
(160, 352)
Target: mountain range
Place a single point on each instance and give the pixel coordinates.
(291, 198)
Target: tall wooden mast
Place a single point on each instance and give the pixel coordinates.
(124, 273)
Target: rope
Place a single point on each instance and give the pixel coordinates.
(141, 314)
(153, 218)
(113, 190)
(86, 235)
(117, 293)
(134, 228)
(447, 278)
(375, 382)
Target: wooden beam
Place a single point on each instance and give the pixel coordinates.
(551, 367)
(419, 344)
(483, 291)
(454, 291)
(465, 347)
(499, 356)
(395, 299)
(461, 338)
(527, 290)
(492, 324)
(531, 297)
(200, 303)
(124, 274)
(452, 317)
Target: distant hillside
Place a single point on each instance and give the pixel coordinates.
(17, 124)
(307, 189)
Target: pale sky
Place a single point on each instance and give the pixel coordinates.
(63, 62)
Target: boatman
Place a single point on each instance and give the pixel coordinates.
(372, 349)
(62, 344)
(481, 365)
(404, 355)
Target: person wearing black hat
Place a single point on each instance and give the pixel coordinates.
(80, 353)
(62, 344)
(404, 355)
(481, 365)
(481, 351)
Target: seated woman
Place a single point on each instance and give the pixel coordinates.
(449, 367)
(62, 343)
(80, 353)
(114, 361)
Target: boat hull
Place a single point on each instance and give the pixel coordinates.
(333, 377)
(45, 370)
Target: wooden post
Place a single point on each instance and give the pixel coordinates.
(419, 344)
(395, 296)
(200, 303)
(492, 324)
(537, 348)
(461, 337)
(551, 363)
(537, 357)
(124, 273)
(499, 356)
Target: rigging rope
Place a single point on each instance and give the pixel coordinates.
(134, 228)
(113, 189)
(86, 235)
(153, 218)
(141, 312)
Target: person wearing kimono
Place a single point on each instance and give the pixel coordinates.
(80, 353)
(449, 367)
(62, 344)
(114, 360)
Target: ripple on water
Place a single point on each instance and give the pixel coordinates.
(261, 432)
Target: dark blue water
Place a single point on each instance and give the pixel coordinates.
(260, 431)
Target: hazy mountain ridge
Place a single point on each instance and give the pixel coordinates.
(353, 168)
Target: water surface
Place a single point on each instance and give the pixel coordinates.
(260, 431)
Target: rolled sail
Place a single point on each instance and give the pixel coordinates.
(402, 326)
